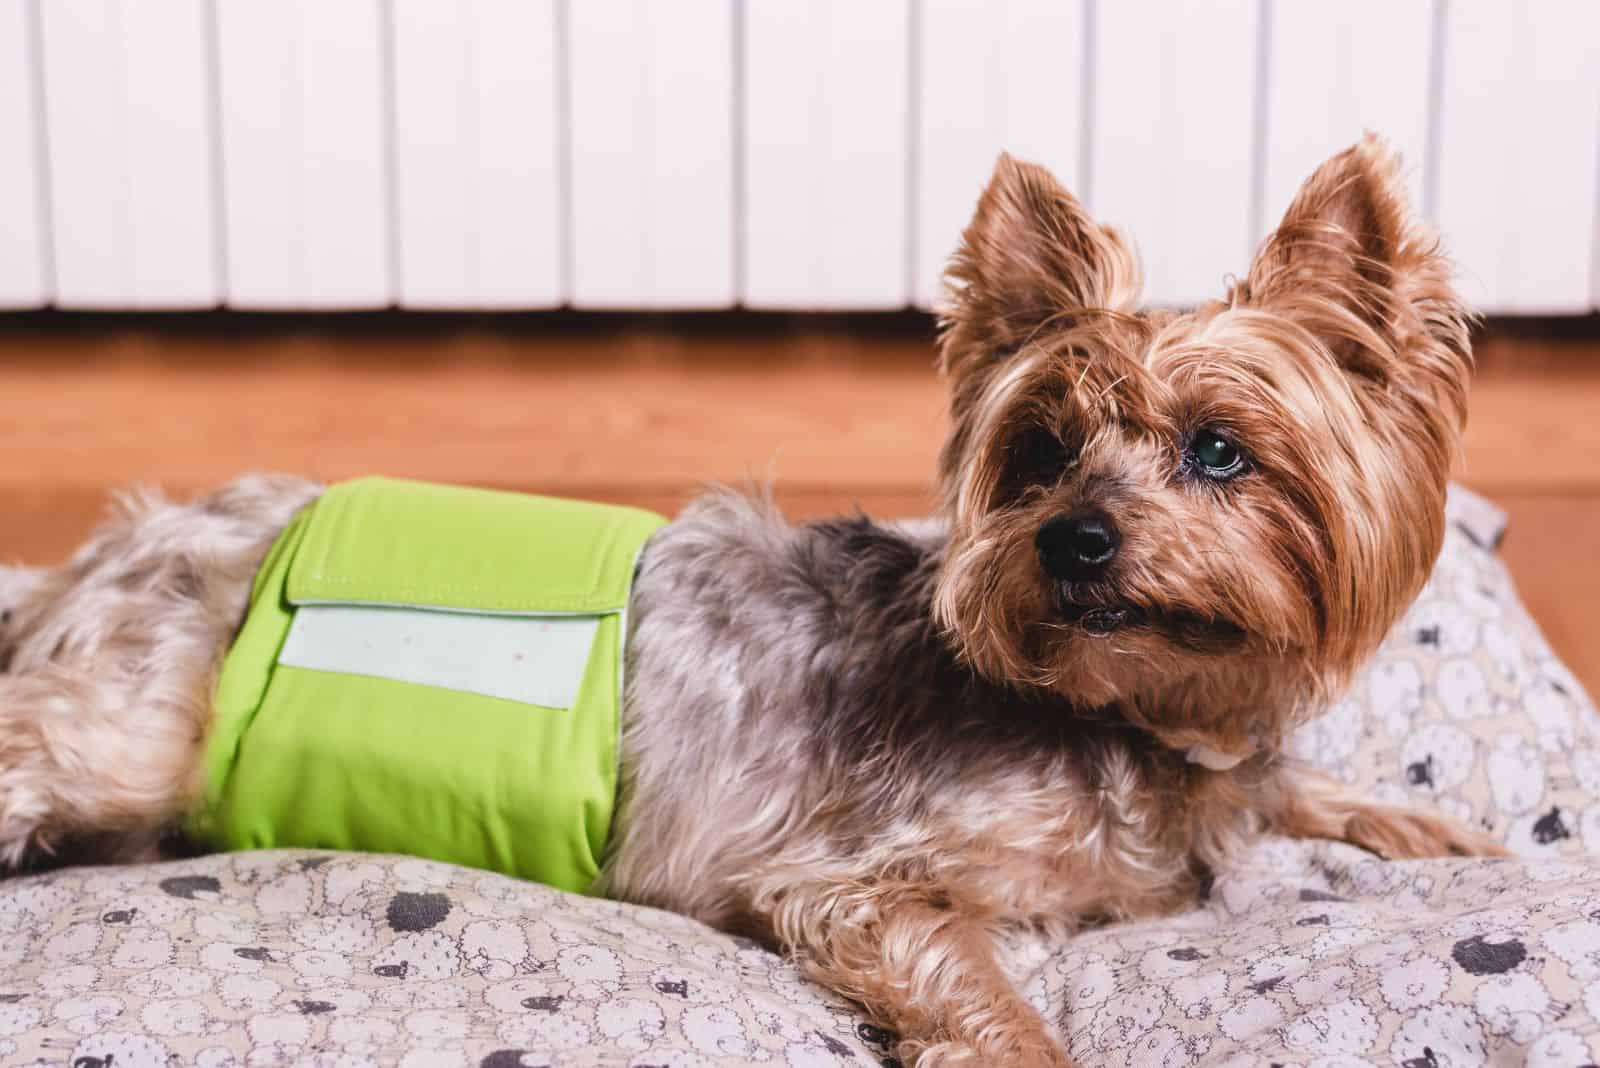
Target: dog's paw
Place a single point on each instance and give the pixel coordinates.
(962, 1055)
(1398, 833)
(1315, 806)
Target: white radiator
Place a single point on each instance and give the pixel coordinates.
(808, 154)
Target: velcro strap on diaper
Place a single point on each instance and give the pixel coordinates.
(431, 670)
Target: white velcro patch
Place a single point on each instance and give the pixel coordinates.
(535, 660)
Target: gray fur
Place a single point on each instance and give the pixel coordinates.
(791, 680)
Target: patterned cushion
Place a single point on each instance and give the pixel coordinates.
(291, 957)
(1305, 954)
(1317, 955)
(1466, 707)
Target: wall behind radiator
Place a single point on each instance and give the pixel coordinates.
(808, 154)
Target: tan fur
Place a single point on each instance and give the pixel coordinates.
(906, 954)
(1319, 807)
(107, 697)
(886, 750)
(1341, 362)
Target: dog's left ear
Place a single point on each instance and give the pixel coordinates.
(1353, 265)
(1353, 270)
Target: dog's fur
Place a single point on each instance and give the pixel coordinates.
(877, 746)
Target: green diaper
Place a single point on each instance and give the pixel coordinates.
(430, 670)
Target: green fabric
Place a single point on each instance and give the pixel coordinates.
(316, 758)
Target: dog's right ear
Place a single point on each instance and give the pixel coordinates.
(1030, 257)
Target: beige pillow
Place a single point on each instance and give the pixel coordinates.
(1465, 707)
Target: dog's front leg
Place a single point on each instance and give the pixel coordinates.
(1311, 805)
(920, 965)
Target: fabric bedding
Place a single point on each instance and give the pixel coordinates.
(1303, 953)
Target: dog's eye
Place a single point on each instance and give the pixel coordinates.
(1215, 455)
(1036, 457)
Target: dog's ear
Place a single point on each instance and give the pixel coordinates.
(1031, 256)
(1353, 265)
(1031, 260)
(1352, 276)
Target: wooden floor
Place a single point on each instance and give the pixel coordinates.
(642, 410)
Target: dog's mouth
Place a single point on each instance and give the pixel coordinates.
(1186, 626)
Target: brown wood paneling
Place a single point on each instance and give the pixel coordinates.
(560, 414)
(1553, 549)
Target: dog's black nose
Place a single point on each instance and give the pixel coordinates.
(1077, 546)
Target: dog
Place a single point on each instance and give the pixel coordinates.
(1164, 539)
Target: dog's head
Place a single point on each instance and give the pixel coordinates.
(1208, 518)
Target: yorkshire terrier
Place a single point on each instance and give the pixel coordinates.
(1165, 539)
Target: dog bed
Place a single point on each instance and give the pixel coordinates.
(1303, 953)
